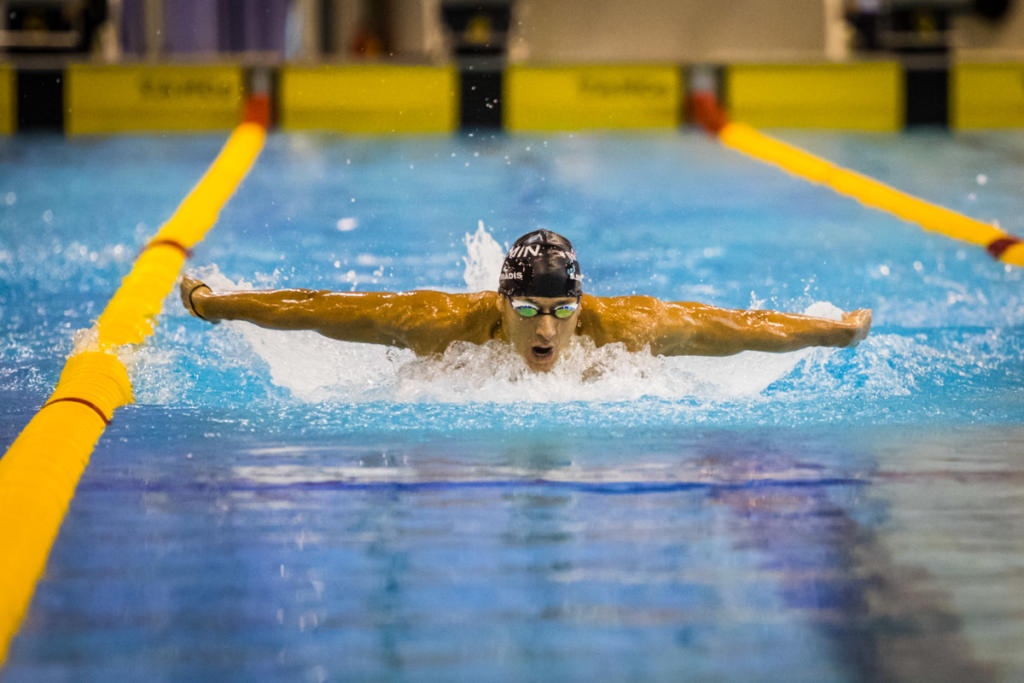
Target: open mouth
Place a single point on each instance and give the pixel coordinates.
(542, 352)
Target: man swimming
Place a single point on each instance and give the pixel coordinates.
(538, 308)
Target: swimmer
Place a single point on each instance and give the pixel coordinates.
(538, 308)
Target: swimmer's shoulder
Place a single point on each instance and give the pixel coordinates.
(430, 320)
(480, 313)
(635, 320)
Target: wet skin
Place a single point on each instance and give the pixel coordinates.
(540, 340)
(427, 322)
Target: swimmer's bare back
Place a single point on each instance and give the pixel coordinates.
(428, 322)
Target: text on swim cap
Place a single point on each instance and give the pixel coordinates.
(520, 252)
(534, 250)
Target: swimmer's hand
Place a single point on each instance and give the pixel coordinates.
(193, 291)
(859, 322)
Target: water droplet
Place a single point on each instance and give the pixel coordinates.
(10, 198)
(981, 178)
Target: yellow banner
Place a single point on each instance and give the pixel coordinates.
(369, 99)
(867, 96)
(119, 99)
(549, 98)
(987, 95)
(8, 114)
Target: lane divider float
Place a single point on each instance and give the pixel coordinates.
(742, 138)
(39, 472)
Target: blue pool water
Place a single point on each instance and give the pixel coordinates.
(277, 505)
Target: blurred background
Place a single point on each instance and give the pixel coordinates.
(417, 31)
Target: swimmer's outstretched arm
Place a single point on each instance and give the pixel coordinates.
(426, 322)
(684, 328)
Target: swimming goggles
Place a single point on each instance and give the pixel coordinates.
(527, 310)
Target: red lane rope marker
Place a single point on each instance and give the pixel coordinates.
(84, 402)
(996, 247)
(257, 109)
(174, 244)
(709, 115)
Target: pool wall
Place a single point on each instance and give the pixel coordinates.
(404, 99)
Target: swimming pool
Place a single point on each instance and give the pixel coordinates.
(279, 505)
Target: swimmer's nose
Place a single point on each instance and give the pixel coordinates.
(546, 328)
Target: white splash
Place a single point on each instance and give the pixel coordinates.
(824, 309)
(483, 260)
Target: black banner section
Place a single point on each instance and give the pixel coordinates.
(927, 93)
(480, 98)
(40, 99)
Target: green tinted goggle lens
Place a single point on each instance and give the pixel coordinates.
(562, 312)
(565, 311)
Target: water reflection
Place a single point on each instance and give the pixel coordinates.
(792, 566)
(882, 620)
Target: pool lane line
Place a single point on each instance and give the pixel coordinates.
(41, 469)
(932, 217)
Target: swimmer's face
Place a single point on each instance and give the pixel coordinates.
(540, 339)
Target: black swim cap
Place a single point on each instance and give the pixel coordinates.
(541, 263)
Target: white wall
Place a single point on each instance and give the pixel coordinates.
(668, 30)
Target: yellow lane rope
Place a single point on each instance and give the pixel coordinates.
(871, 192)
(41, 469)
